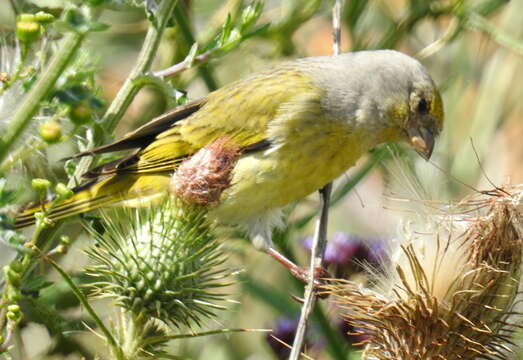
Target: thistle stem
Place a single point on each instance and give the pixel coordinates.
(317, 253)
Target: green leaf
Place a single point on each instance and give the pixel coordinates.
(36, 283)
(98, 26)
(74, 21)
(189, 59)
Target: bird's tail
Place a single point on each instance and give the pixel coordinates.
(128, 190)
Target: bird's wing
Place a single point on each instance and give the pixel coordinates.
(146, 133)
(239, 112)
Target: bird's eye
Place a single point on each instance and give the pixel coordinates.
(423, 106)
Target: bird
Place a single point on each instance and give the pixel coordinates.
(300, 125)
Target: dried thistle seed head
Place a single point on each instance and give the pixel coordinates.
(452, 292)
(201, 179)
(162, 263)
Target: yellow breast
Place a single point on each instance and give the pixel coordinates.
(305, 161)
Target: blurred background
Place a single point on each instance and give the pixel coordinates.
(472, 48)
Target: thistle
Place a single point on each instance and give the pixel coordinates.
(163, 264)
(452, 291)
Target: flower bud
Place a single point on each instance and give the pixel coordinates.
(61, 249)
(13, 308)
(12, 316)
(44, 18)
(65, 240)
(40, 184)
(27, 29)
(80, 114)
(163, 264)
(63, 191)
(13, 277)
(26, 17)
(50, 131)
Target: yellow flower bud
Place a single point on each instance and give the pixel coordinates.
(40, 184)
(51, 131)
(27, 29)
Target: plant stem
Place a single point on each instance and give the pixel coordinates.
(317, 253)
(129, 88)
(133, 334)
(183, 65)
(185, 29)
(160, 339)
(40, 90)
(83, 300)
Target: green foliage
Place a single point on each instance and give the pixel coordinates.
(69, 80)
(73, 20)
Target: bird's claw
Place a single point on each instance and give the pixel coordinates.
(320, 276)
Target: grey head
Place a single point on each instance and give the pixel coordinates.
(382, 90)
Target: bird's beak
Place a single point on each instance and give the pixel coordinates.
(422, 140)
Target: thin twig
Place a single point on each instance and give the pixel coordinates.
(437, 45)
(320, 237)
(336, 27)
(182, 66)
(317, 253)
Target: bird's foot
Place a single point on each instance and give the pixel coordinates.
(301, 273)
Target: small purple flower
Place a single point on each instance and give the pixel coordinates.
(284, 331)
(342, 249)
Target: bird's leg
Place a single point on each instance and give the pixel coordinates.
(299, 272)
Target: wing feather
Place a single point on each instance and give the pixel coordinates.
(146, 133)
(240, 111)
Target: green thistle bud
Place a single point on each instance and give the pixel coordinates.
(80, 114)
(26, 18)
(63, 191)
(27, 28)
(12, 276)
(40, 185)
(13, 308)
(44, 18)
(50, 131)
(163, 263)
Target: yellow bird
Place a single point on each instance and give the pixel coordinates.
(300, 125)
